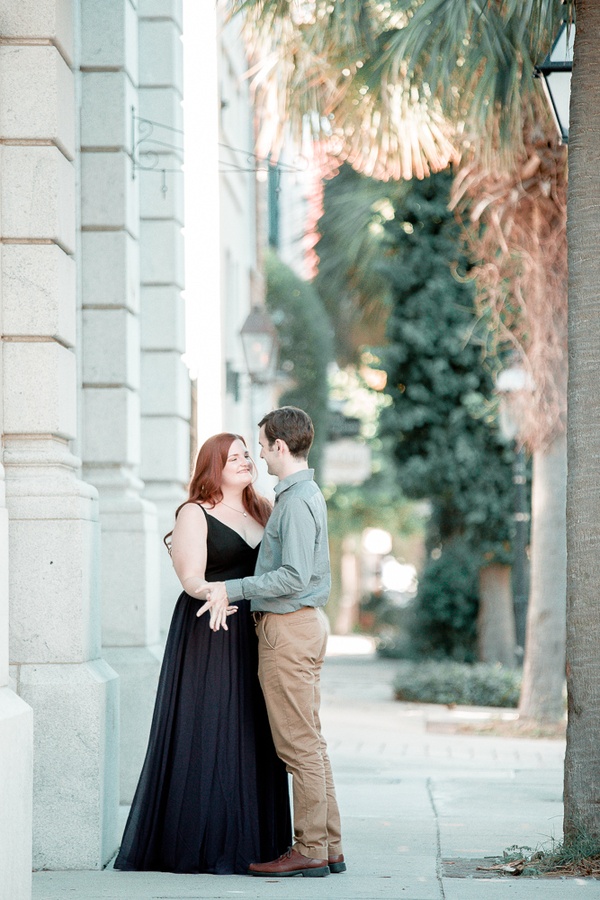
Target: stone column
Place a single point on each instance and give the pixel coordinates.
(204, 312)
(165, 392)
(111, 367)
(53, 532)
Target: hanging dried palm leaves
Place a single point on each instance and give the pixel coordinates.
(515, 223)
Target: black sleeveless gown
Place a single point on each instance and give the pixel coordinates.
(213, 795)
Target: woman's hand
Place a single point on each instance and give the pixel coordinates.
(217, 603)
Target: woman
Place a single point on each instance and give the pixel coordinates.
(212, 796)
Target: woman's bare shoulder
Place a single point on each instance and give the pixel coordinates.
(191, 513)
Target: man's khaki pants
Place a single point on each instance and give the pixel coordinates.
(291, 653)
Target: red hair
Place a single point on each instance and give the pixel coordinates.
(205, 484)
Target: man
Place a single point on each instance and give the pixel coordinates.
(290, 585)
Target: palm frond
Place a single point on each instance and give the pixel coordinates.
(345, 26)
(388, 128)
(351, 237)
(399, 87)
(477, 57)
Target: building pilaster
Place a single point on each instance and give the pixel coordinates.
(52, 515)
(111, 367)
(165, 390)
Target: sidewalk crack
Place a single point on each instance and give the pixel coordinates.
(438, 839)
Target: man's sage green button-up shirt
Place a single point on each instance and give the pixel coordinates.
(292, 569)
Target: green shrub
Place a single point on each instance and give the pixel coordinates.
(444, 620)
(449, 682)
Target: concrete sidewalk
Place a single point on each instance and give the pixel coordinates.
(421, 809)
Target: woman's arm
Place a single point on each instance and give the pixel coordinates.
(188, 550)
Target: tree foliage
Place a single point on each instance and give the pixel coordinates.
(305, 346)
(398, 88)
(354, 291)
(439, 425)
(446, 443)
(444, 619)
(378, 503)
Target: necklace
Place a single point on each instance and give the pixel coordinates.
(240, 511)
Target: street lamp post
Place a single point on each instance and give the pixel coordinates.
(556, 74)
(509, 382)
(259, 342)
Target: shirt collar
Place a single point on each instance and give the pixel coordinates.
(294, 478)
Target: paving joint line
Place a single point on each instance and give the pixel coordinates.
(438, 840)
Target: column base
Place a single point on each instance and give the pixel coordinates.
(138, 669)
(16, 766)
(76, 762)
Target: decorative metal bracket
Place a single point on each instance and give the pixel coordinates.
(149, 142)
(246, 161)
(152, 140)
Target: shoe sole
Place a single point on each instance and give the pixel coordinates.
(318, 872)
(337, 868)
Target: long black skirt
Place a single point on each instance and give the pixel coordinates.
(213, 795)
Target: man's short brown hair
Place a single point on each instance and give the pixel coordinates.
(292, 425)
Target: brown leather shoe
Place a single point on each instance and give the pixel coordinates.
(291, 863)
(336, 864)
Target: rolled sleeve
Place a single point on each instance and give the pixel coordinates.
(235, 589)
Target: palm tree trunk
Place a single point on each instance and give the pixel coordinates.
(582, 763)
(544, 669)
(496, 638)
